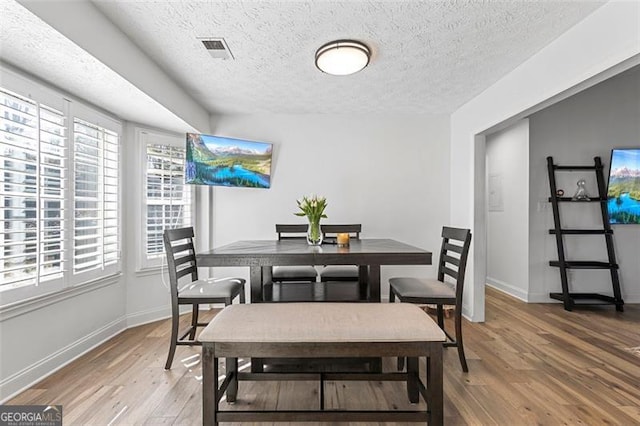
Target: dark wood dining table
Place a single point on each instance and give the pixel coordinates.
(261, 255)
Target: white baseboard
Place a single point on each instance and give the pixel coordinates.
(516, 292)
(21, 380)
(147, 316)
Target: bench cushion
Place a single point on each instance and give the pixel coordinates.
(322, 322)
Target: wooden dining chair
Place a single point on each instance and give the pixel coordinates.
(187, 289)
(452, 263)
(340, 272)
(293, 273)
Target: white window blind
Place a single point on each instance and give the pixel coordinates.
(32, 189)
(95, 230)
(168, 200)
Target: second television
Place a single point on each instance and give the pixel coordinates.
(623, 191)
(222, 161)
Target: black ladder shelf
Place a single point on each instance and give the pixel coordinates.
(571, 299)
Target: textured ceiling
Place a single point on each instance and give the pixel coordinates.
(28, 43)
(428, 56)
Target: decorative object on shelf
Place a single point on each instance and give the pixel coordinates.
(581, 193)
(560, 192)
(342, 239)
(313, 208)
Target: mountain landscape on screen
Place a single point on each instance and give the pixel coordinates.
(216, 160)
(624, 187)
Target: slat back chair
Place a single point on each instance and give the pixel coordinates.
(332, 230)
(340, 272)
(443, 291)
(187, 289)
(296, 231)
(293, 273)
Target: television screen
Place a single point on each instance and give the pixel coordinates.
(216, 160)
(623, 192)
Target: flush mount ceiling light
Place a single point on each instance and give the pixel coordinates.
(342, 57)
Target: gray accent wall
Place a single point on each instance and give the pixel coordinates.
(574, 131)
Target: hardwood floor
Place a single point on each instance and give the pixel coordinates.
(528, 364)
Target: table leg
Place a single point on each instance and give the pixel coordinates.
(435, 399)
(267, 274)
(374, 283)
(209, 385)
(255, 280)
(363, 281)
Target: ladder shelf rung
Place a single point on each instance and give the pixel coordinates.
(588, 299)
(582, 231)
(570, 168)
(584, 264)
(571, 200)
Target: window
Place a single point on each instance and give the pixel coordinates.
(95, 222)
(59, 202)
(32, 153)
(167, 198)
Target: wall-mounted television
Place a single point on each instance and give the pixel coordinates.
(623, 191)
(217, 160)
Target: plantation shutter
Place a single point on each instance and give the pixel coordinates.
(95, 236)
(168, 200)
(32, 185)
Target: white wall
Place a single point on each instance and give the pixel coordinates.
(574, 131)
(508, 214)
(604, 42)
(389, 173)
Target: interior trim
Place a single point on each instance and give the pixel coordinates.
(39, 302)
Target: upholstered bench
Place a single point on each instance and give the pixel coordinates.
(322, 330)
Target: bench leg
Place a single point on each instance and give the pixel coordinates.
(412, 380)
(231, 366)
(435, 400)
(209, 386)
(257, 365)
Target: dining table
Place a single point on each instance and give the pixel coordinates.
(261, 255)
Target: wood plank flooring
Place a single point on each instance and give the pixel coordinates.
(528, 364)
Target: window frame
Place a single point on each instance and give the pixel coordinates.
(91, 116)
(144, 137)
(16, 82)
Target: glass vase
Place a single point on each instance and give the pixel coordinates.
(314, 234)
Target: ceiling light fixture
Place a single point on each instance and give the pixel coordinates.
(342, 57)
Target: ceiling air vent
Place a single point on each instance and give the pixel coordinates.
(217, 48)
